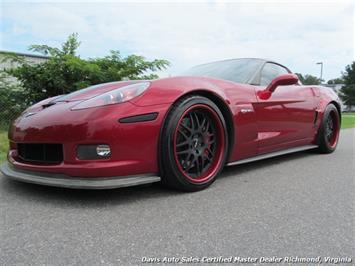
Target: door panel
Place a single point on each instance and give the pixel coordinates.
(244, 120)
(286, 118)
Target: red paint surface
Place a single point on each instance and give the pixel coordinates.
(284, 120)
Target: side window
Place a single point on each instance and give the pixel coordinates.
(271, 71)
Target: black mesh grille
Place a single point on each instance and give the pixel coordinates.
(40, 153)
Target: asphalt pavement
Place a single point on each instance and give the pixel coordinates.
(298, 205)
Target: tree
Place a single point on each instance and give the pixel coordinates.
(349, 74)
(65, 71)
(347, 92)
(336, 81)
(68, 48)
(309, 79)
(347, 95)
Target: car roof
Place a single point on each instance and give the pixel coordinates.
(262, 60)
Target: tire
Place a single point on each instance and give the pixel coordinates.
(193, 144)
(329, 129)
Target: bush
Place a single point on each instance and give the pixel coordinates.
(66, 72)
(12, 100)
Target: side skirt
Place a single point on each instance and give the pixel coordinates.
(273, 154)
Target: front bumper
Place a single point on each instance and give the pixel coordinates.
(134, 145)
(61, 180)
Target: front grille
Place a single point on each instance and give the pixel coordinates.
(40, 153)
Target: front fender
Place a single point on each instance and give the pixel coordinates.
(164, 91)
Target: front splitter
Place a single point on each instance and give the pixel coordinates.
(60, 180)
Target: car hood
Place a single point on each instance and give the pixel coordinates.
(93, 91)
(73, 98)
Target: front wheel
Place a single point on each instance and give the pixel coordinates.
(193, 144)
(329, 130)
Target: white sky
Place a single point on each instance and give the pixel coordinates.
(295, 34)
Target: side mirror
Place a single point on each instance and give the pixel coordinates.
(283, 80)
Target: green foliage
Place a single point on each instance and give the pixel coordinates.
(11, 57)
(347, 95)
(349, 74)
(68, 48)
(12, 100)
(348, 120)
(347, 92)
(309, 79)
(65, 72)
(336, 81)
(4, 145)
(114, 67)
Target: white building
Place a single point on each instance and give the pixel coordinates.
(29, 58)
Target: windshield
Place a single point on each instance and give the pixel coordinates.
(236, 70)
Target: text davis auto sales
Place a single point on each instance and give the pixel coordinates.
(237, 259)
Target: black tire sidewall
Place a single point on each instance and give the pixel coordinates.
(171, 173)
(324, 145)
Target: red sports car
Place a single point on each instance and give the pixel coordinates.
(181, 131)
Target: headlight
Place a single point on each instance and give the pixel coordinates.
(119, 95)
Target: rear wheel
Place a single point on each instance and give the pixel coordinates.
(193, 144)
(328, 134)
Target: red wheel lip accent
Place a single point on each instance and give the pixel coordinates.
(334, 141)
(221, 143)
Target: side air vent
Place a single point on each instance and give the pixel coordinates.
(315, 117)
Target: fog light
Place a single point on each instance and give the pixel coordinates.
(103, 150)
(93, 152)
